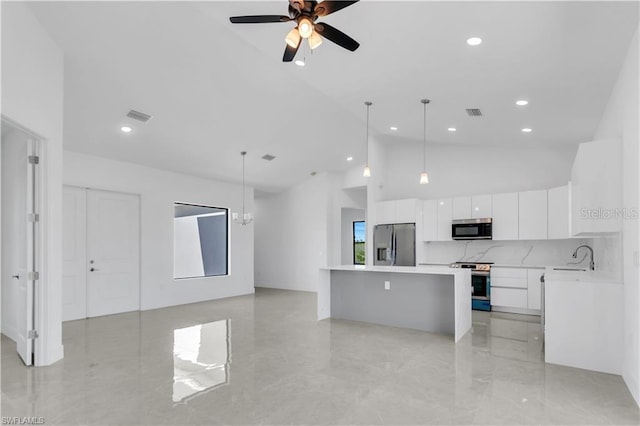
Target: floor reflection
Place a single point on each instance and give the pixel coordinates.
(512, 336)
(201, 357)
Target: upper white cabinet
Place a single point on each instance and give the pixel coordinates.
(430, 220)
(445, 216)
(405, 211)
(385, 212)
(461, 208)
(596, 188)
(532, 215)
(481, 206)
(396, 211)
(558, 213)
(505, 216)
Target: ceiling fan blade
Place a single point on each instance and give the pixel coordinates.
(290, 52)
(335, 35)
(258, 19)
(329, 6)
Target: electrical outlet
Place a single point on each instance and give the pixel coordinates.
(387, 285)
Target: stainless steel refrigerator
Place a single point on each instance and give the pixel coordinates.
(395, 244)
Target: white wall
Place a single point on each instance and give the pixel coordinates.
(292, 235)
(456, 170)
(32, 95)
(158, 191)
(620, 120)
(346, 235)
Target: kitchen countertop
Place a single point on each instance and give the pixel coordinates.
(585, 276)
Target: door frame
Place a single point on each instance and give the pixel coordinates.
(41, 346)
(139, 196)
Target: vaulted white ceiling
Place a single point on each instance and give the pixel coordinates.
(215, 89)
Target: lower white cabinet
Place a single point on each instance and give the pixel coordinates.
(509, 297)
(584, 324)
(516, 289)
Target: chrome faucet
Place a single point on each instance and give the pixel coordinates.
(592, 265)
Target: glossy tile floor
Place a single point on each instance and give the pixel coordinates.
(264, 359)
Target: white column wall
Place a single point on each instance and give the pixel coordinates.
(32, 96)
(620, 120)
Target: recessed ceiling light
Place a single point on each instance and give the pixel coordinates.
(452, 129)
(394, 128)
(349, 158)
(522, 102)
(526, 130)
(474, 41)
(126, 129)
(299, 62)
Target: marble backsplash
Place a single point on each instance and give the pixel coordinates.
(526, 253)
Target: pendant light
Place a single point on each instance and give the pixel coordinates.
(245, 218)
(424, 177)
(367, 170)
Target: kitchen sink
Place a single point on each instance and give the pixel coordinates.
(569, 269)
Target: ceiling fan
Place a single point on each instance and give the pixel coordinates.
(305, 14)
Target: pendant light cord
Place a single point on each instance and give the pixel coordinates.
(243, 193)
(368, 104)
(424, 135)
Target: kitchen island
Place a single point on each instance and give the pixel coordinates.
(431, 298)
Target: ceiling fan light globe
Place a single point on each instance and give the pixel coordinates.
(293, 38)
(305, 27)
(314, 40)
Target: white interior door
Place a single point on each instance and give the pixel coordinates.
(74, 253)
(26, 283)
(113, 252)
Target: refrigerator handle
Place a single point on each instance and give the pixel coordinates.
(393, 247)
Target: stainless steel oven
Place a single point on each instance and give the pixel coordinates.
(472, 229)
(480, 283)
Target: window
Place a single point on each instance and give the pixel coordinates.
(359, 233)
(200, 241)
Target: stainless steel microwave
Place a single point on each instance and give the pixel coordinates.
(472, 229)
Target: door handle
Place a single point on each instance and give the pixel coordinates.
(17, 277)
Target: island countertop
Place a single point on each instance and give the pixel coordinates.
(421, 269)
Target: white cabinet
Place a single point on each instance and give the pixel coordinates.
(385, 212)
(584, 324)
(509, 277)
(405, 211)
(462, 208)
(430, 220)
(396, 211)
(509, 297)
(436, 220)
(516, 289)
(505, 216)
(445, 216)
(533, 288)
(532, 215)
(558, 213)
(596, 188)
(481, 206)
